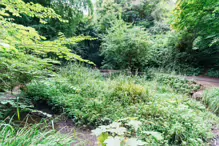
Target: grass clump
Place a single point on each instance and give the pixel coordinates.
(36, 134)
(211, 99)
(92, 100)
(129, 93)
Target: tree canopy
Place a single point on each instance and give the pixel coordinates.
(25, 53)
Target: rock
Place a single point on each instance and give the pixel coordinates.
(215, 141)
(198, 95)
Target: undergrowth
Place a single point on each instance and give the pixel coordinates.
(213, 73)
(179, 84)
(211, 99)
(34, 135)
(91, 100)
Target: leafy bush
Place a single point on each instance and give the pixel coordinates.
(211, 99)
(180, 84)
(91, 100)
(129, 93)
(125, 47)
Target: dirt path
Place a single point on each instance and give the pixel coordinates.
(207, 82)
(83, 136)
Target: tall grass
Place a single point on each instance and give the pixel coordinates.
(34, 135)
(211, 99)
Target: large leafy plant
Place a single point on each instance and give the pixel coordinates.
(121, 133)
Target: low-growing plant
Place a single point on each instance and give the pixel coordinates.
(211, 99)
(179, 84)
(37, 134)
(129, 93)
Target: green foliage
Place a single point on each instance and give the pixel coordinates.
(198, 20)
(24, 54)
(89, 49)
(72, 11)
(125, 47)
(129, 93)
(91, 100)
(15, 107)
(213, 73)
(144, 13)
(162, 51)
(37, 37)
(32, 135)
(18, 7)
(211, 99)
(179, 84)
(107, 12)
(121, 133)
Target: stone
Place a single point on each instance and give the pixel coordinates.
(198, 95)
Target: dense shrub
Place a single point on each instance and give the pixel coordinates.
(125, 47)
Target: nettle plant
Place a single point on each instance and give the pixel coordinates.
(124, 132)
(24, 54)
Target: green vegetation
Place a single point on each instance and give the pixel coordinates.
(51, 50)
(198, 22)
(124, 47)
(178, 83)
(91, 100)
(31, 135)
(211, 100)
(117, 132)
(24, 58)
